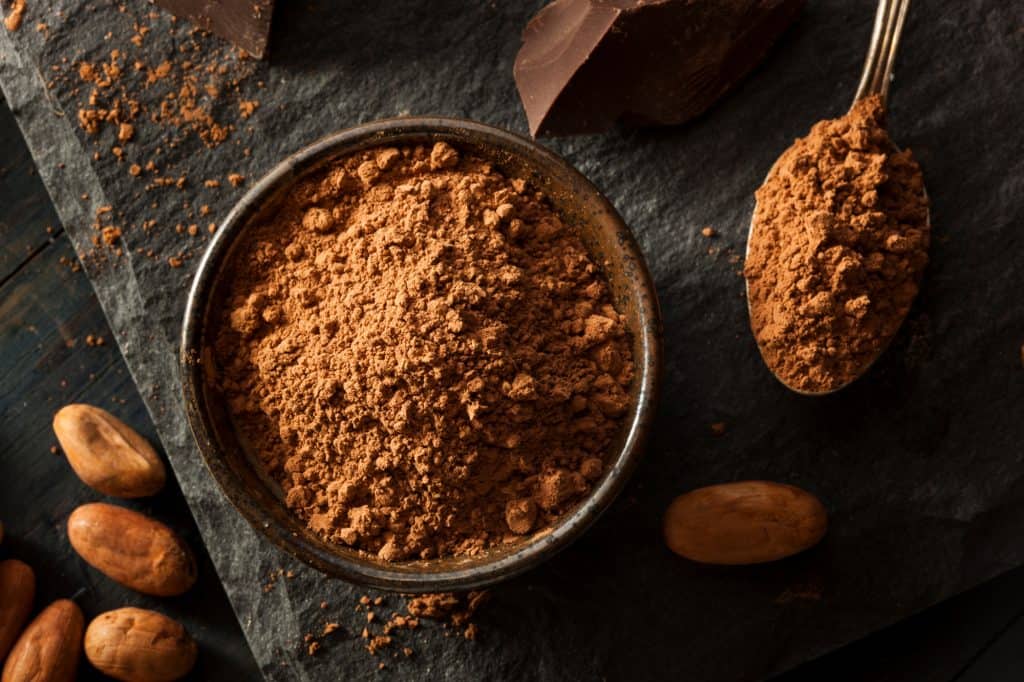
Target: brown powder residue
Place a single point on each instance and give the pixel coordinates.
(454, 611)
(452, 607)
(842, 240)
(423, 355)
(247, 108)
(17, 14)
(189, 91)
(151, 113)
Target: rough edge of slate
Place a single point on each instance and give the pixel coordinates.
(55, 144)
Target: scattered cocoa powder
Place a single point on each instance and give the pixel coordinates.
(842, 240)
(125, 100)
(419, 349)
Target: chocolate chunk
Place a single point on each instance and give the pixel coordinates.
(246, 23)
(586, 64)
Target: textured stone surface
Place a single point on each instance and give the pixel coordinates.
(920, 463)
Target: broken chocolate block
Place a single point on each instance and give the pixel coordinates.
(586, 64)
(246, 23)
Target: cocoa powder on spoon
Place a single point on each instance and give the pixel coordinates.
(842, 241)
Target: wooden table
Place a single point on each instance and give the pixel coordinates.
(47, 313)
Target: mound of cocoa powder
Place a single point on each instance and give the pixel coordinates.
(423, 354)
(843, 241)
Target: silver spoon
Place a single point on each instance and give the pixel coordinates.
(875, 80)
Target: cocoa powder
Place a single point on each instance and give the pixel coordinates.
(843, 233)
(423, 355)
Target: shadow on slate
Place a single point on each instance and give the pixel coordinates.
(919, 463)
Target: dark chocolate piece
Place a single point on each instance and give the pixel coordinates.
(246, 23)
(586, 64)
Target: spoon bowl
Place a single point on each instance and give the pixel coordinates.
(875, 80)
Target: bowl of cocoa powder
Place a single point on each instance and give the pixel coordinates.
(422, 354)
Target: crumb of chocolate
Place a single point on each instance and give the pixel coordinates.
(135, 170)
(236, 179)
(17, 14)
(272, 578)
(434, 606)
(175, 261)
(455, 608)
(111, 235)
(247, 107)
(378, 642)
(708, 232)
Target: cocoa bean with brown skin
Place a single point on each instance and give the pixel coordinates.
(746, 522)
(132, 549)
(107, 454)
(139, 645)
(49, 648)
(17, 590)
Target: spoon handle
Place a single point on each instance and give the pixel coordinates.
(885, 38)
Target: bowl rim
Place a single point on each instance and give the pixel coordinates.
(379, 575)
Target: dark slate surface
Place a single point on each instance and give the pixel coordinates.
(919, 464)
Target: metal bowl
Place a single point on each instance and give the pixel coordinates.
(259, 499)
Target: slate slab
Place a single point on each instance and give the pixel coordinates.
(920, 463)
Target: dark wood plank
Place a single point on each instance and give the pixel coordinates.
(25, 211)
(46, 312)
